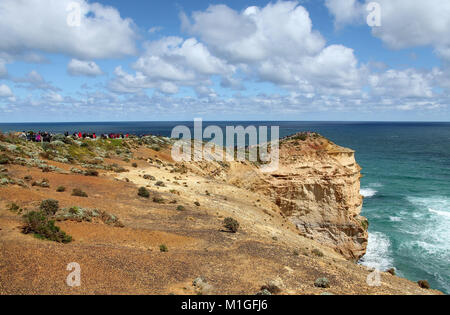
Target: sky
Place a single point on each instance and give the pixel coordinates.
(328, 60)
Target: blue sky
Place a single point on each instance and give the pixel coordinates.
(223, 60)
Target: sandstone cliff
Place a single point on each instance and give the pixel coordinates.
(317, 186)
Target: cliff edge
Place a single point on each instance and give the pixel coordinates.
(317, 187)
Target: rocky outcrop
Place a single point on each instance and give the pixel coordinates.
(318, 187)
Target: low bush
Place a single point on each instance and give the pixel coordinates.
(4, 159)
(134, 165)
(160, 184)
(181, 208)
(91, 173)
(231, 225)
(143, 192)
(61, 189)
(49, 207)
(317, 252)
(158, 199)
(43, 183)
(79, 214)
(14, 208)
(37, 223)
(149, 177)
(163, 248)
(79, 193)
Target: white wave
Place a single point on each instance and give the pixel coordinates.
(442, 213)
(436, 204)
(378, 252)
(433, 215)
(395, 219)
(368, 192)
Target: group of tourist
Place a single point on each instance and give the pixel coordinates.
(48, 137)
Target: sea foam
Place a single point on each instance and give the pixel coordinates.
(378, 252)
(368, 192)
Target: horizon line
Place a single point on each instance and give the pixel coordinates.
(174, 121)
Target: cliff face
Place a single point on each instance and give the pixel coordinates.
(317, 187)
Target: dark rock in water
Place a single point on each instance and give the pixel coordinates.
(322, 283)
(424, 284)
(391, 271)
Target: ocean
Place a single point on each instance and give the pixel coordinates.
(406, 184)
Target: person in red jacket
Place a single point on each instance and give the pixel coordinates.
(80, 135)
(94, 136)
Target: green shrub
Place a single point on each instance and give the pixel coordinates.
(317, 252)
(91, 173)
(37, 223)
(43, 183)
(158, 199)
(181, 208)
(231, 225)
(163, 248)
(49, 207)
(79, 214)
(149, 177)
(134, 165)
(79, 193)
(300, 136)
(14, 208)
(160, 184)
(143, 192)
(59, 137)
(61, 189)
(4, 159)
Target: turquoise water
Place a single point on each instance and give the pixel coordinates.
(406, 168)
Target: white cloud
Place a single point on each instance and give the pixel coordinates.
(42, 25)
(53, 97)
(170, 63)
(34, 81)
(404, 23)
(175, 59)
(5, 91)
(283, 29)
(345, 11)
(83, 68)
(155, 29)
(277, 44)
(402, 84)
